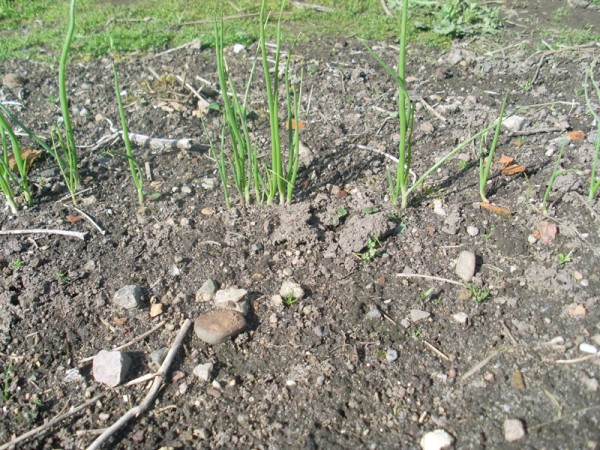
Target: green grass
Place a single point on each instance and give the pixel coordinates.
(35, 28)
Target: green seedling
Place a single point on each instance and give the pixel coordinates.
(372, 249)
(289, 300)
(282, 177)
(68, 162)
(135, 169)
(479, 295)
(464, 165)
(417, 333)
(564, 259)
(487, 236)
(369, 211)
(16, 264)
(400, 190)
(425, 295)
(7, 179)
(594, 175)
(62, 277)
(556, 172)
(458, 18)
(486, 157)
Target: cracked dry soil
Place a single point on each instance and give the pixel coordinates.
(318, 373)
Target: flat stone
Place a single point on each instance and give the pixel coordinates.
(128, 297)
(219, 325)
(111, 368)
(291, 289)
(465, 266)
(391, 355)
(417, 315)
(13, 80)
(472, 230)
(232, 298)
(203, 371)
(207, 292)
(514, 429)
(437, 440)
(158, 356)
(514, 123)
(588, 348)
(461, 318)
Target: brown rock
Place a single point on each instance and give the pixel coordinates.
(217, 326)
(13, 80)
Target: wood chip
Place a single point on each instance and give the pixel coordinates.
(513, 169)
(495, 209)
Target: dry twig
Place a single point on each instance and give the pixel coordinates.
(51, 422)
(75, 234)
(429, 277)
(87, 217)
(477, 367)
(386, 10)
(152, 393)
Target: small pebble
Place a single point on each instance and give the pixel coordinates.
(417, 315)
(514, 429)
(437, 440)
(374, 313)
(531, 239)
(472, 231)
(391, 355)
(128, 297)
(110, 368)
(291, 289)
(465, 266)
(203, 371)
(587, 348)
(461, 318)
(232, 298)
(158, 356)
(207, 291)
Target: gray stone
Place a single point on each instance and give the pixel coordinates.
(417, 315)
(374, 313)
(209, 183)
(207, 292)
(158, 356)
(232, 298)
(437, 440)
(219, 325)
(472, 230)
(13, 80)
(111, 368)
(461, 318)
(128, 297)
(237, 48)
(465, 265)
(291, 289)
(73, 376)
(514, 429)
(391, 355)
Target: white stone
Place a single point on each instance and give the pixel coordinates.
(291, 289)
(72, 376)
(514, 429)
(514, 123)
(461, 318)
(128, 297)
(111, 368)
(588, 348)
(417, 315)
(472, 230)
(465, 265)
(232, 298)
(207, 292)
(203, 371)
(437, 440)
(237, 48)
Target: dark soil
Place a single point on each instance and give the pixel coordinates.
(315, 374)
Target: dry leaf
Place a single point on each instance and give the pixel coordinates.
(495, 209)
(121, 320)
(301, 125)
(576, 310)
(506, 160)
(518, 380)
(28, 155)
(577, 136)
(548, 232)
(381, 279)
(430, 230)
(513, 169)
(178, 106)
(73, 219)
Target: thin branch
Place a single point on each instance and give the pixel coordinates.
(194, 43)
(51, 422)
(386, 10)
(130, 343)
(86, 216)
(152, 393)
(429, 277)
(312, 6)
(75, 234)
(430, 108)
(577, 360)
(435, 350)
(477, 367)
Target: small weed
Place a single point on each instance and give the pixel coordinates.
(381, 354)
(369, 211)
(289, 300)
(488, 235)
(5, 393)
(457, 18)
(464, 165)
(372, 249)
(564, 259)
(16, 264)
(479, 295)
(425, 295)
(62, 277)
(340, 213)
(417, 333)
